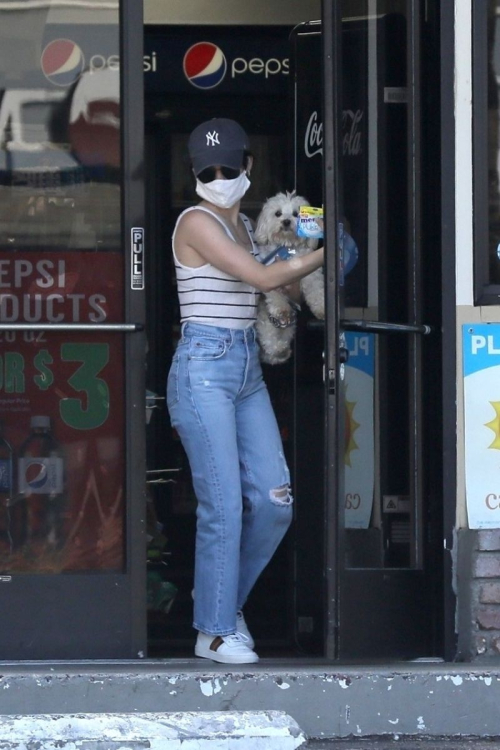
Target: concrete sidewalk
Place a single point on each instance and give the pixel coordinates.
(222, 730)
(417, 744)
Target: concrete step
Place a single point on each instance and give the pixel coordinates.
(216, 730)
(327, 700)
(470, 743)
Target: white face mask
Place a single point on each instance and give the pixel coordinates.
(223, 193)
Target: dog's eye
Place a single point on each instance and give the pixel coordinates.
(278, 214)
(295, 213)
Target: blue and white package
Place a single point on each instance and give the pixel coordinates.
(307, 226)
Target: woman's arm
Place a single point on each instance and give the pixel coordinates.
(207, 238)
(292, 291)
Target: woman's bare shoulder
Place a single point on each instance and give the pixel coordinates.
(198, 237)
(198, 217)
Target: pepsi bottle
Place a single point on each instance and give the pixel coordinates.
(41, 485)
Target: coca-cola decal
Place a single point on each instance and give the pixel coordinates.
(313, 143)
(351, 134)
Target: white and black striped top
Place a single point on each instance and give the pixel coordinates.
(213, 297)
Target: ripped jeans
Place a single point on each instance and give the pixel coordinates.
(219, 405)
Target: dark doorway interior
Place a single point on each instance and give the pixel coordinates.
(260, 101)
(287, 609)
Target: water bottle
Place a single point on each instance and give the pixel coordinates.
(41, 485)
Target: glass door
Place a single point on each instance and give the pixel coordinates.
(366, 135)
(72, 557)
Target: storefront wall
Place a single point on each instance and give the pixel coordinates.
(475, 551)
(477, 543)
(100, 180)
(328, 701)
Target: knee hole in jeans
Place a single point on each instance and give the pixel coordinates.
(281, 495)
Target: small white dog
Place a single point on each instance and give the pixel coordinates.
(276, 315)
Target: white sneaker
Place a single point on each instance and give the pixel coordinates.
(241, 626)
(242, 629)
(226, 649)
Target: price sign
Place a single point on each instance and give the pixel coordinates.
(65, 390)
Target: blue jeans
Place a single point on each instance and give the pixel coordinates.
(219, 405)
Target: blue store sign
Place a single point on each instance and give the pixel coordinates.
(225, 60)
(222, 61)
(481, 371)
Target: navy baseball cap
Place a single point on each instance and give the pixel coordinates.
(217, 142)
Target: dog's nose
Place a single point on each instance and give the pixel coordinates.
(286, 222)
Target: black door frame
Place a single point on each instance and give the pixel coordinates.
(132, 107)
(334, 394)
(449, 312)
(334, 511)
(84, 615)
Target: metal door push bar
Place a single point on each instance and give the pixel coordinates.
(97, 327)
(373, 326)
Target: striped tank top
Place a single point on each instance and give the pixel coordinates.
(213, 297)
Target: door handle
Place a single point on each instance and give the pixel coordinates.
(376, 326)
(116, 327)
(372, 326)
(164, 471)
(159, 479)
(343, 355)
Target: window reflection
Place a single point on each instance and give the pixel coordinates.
(61, 392)
(59, 126)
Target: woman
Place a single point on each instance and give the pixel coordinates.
(216, 396)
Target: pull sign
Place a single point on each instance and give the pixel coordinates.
(137, 259)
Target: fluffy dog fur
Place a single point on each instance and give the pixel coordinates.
(276, 227)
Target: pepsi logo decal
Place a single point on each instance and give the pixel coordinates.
(205, 65)
(36, 474)
(62, 62)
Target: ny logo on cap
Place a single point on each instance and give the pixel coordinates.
(213, 138)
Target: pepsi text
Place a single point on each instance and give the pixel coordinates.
(112, 62)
